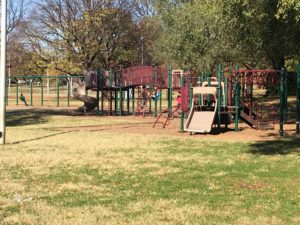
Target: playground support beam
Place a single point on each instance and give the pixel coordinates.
(182, 81)
(133, 100)
(3, 72)
(229, 94)
(128, 101)
(150, 102)
(57, 92)
(237, 98)
(98, 90)
(226, 102)
(160, 100)
(102, 93)
(42, 92)
(31, 92)
(17, 92)
(191, 90)
(155, 93)
(208, 77)
(120, 100)
(219, 95)
(298, 101)
(68, 92)
(282, 100)
(170, 91)
(120, 90)
(251, 96)
(226, 92)
(285, 99)
(116, 95)
(199, 85)
(243, 93)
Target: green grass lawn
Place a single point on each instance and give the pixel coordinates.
(54, 172)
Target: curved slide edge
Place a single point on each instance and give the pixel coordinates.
(90, 103)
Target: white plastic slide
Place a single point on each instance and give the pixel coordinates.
(201, 121)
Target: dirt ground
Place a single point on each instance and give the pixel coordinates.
(144, 125)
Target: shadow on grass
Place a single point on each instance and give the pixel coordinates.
(282, 146)
(22, 117)
(39, 138)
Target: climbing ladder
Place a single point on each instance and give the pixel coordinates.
(165, 116)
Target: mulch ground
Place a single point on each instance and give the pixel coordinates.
(144, 125)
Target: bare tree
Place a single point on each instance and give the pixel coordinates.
(15, 16)
(79, 31)
(143, 8)
(16, 12)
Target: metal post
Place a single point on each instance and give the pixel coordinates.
(98, 91)
(191, 91)
(226, 92)
(132, 99)
(170, 91)
(199, 85)
(150, 101)
(68, 92)
(160, 100)
(128, 101)
(237, 98)
(42, 92)
(182, 81)
(208, 84)
(286, 98)
(298, 101)
(251, 96)
(226, 103)
(155, 93)
(17, 92)
(3, 72)
(219, 95)
(110, 102)
(120, 84)
(121, 100)
(113, 79)
(282, 100)
(243, 93)
(57, 92)
(31, 87)
(203, 79)
(116, 101)
(102, 91)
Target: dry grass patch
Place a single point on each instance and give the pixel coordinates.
(50, 175)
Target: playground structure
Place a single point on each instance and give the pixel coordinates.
(206, 101)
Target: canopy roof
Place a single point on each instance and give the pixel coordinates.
(205, 90)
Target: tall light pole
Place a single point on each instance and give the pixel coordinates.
(142, 40)
(3, 72)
